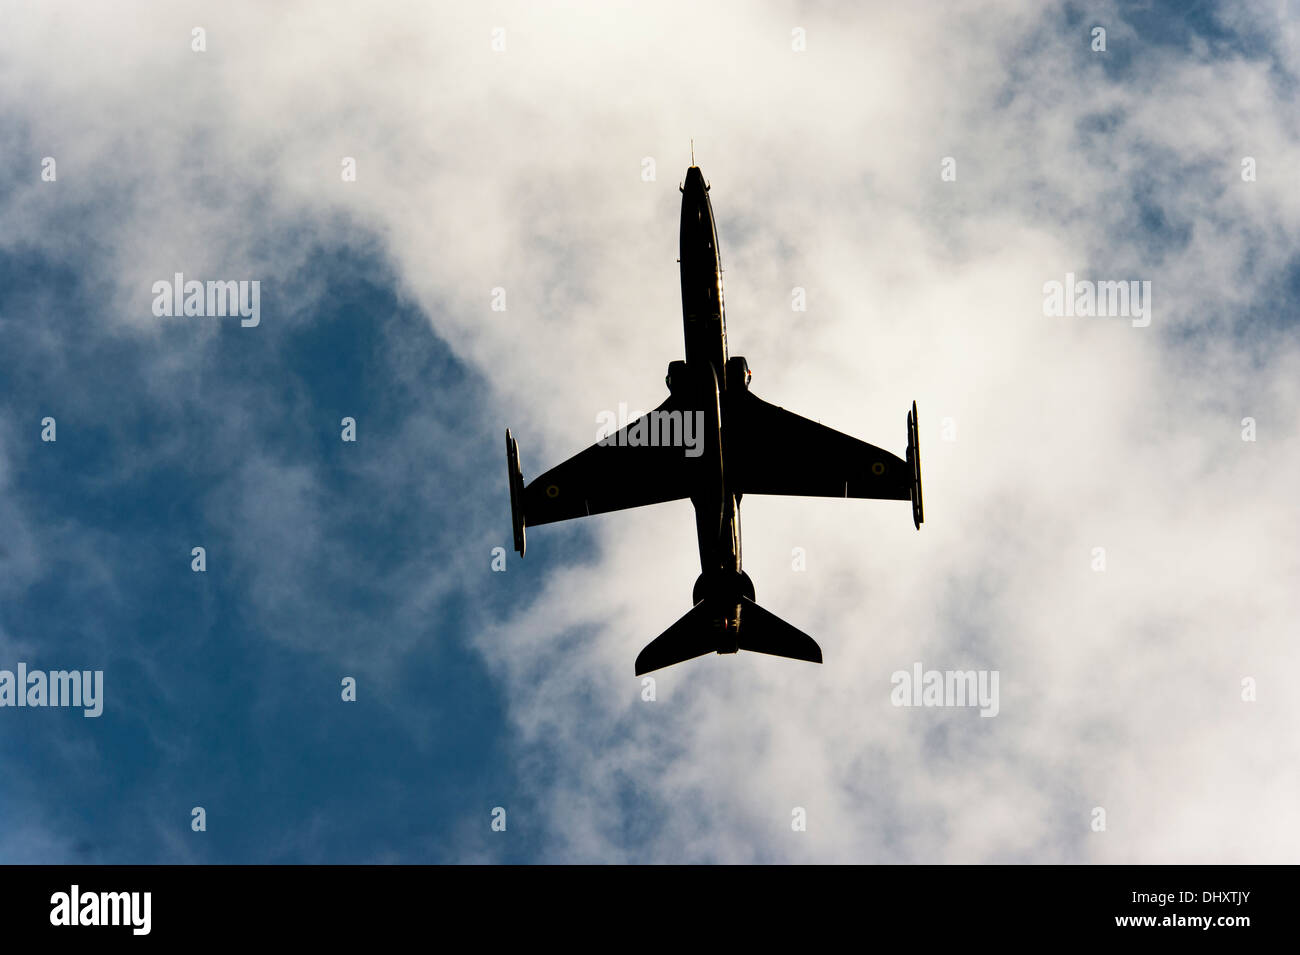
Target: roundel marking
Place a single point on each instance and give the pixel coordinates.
(877, 468)
(552, 491)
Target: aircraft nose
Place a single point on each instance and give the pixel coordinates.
(695, 181)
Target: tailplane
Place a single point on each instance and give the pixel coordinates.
(711, 626)
(764, 632)
(692, 636)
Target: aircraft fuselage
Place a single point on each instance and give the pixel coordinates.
(717, 515)
(703, 315)
(712, 441)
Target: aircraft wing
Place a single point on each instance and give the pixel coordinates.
(774, 451)
(604, 477)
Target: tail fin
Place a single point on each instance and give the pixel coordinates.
(701, 631)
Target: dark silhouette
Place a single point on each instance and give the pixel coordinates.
(713, 441)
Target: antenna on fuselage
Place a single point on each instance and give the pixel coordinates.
(692, 152)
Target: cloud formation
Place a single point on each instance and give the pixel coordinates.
(522, 170)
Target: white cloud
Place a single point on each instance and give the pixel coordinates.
(1120, 689)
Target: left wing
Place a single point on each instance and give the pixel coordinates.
(773, 451)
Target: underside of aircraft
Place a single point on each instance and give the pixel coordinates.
(712, 441)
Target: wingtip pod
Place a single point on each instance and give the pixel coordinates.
(516, 477)
(914, 459)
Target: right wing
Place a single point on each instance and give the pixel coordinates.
(605, 477)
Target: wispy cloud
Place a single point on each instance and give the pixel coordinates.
(522, 170)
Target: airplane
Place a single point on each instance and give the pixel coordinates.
(743, 446)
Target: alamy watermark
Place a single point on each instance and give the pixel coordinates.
(1123, 299)
(84, 688)
(76, 907)
(213, 299)
(655, 429)
(922, 687)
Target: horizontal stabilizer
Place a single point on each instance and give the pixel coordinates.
(764, 632)
(692, 636)
(702, 631)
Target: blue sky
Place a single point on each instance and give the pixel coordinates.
(207, 705)
(523, 170)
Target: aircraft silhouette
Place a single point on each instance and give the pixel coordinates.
(742, 445)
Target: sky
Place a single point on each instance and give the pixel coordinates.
(1111, 524)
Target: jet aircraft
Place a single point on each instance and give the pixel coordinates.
(745, 446)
